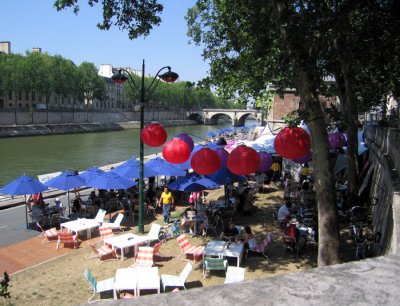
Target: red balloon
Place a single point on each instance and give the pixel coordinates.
(186, 138)
(176, 151)
(205, 161)
(243, 160)
(223, 155)
(154, 135)
(292, 142)
(265, 161)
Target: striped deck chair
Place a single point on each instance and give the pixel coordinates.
(144, 257)
(102, 253)
(105, 232)
(49, 235)
(156, 248)
(67, 238)
(260, 248)
(214, 264)
(188, 249)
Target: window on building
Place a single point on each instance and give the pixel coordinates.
(1, 103)
(19, 105)
(27, 105)
(10, 105)
(33, 96)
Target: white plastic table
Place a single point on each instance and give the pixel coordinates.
(125, 241)
(220, 249)
(80, 225)
(125, 279)
(147, 278)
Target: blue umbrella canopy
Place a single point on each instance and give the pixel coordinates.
(131, 169)
(110, 180)
(211, 134)
(23, 185)
(193, 182)
(224, 176)
(66, 181)
(91, 173)
(162, 167)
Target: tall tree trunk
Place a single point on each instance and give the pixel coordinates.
(352, 130)
(329, 238)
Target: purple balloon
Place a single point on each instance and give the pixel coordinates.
(336, 140)
(186, 138)
(304, 159)
(265, 161)
(223, 155)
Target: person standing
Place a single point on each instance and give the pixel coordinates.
(276, 168)
(167, 202)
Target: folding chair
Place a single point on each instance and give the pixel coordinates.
(49, 235)
(188, 249)
(176, 281)
(234, 275)
(105, 232)
(214, 264)
(260, 248)
(144, 257)
(101, 286)
(154, 232)
(156, 248)
(67, 238)
(103, 253)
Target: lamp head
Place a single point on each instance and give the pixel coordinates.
(119, 78)
(169, 76)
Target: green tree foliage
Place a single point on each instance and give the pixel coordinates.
(136, 16)
(91, 85)
(180, 95)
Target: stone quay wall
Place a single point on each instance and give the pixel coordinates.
(61, 116)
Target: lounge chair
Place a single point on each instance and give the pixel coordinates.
(67, 238)
(102, 253)
(100, 216)
(176, 281)
(260, 247)
(188, 249)
(116, 224)
(144, 257)
(49, 235)
(214, 264)
(101, 286)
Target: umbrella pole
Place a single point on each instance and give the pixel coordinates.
(26, 213)
(69, 205)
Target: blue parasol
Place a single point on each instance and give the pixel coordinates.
(66, 181)
(211, 134)
(193, 182)
(162, 167)
(131, 169)
(91, 173)
(224, 176)
(110, 180)
(22, 186)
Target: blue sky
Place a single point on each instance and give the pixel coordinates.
(27, 24)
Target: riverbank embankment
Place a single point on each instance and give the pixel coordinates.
(69, 128)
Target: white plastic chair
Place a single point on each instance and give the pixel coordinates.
(154, 232)
(234, 275)
(116, 224)
(176, 281)
(100, 216)
(104, 285)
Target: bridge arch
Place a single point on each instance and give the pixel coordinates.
(237, 116)
(198, 117)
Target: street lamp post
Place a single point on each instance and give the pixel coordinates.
(119, 78)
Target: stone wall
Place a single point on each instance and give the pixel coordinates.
(26, 117)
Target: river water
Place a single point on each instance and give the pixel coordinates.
(37, 155)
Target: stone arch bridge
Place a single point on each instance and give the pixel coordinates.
(211, 116)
